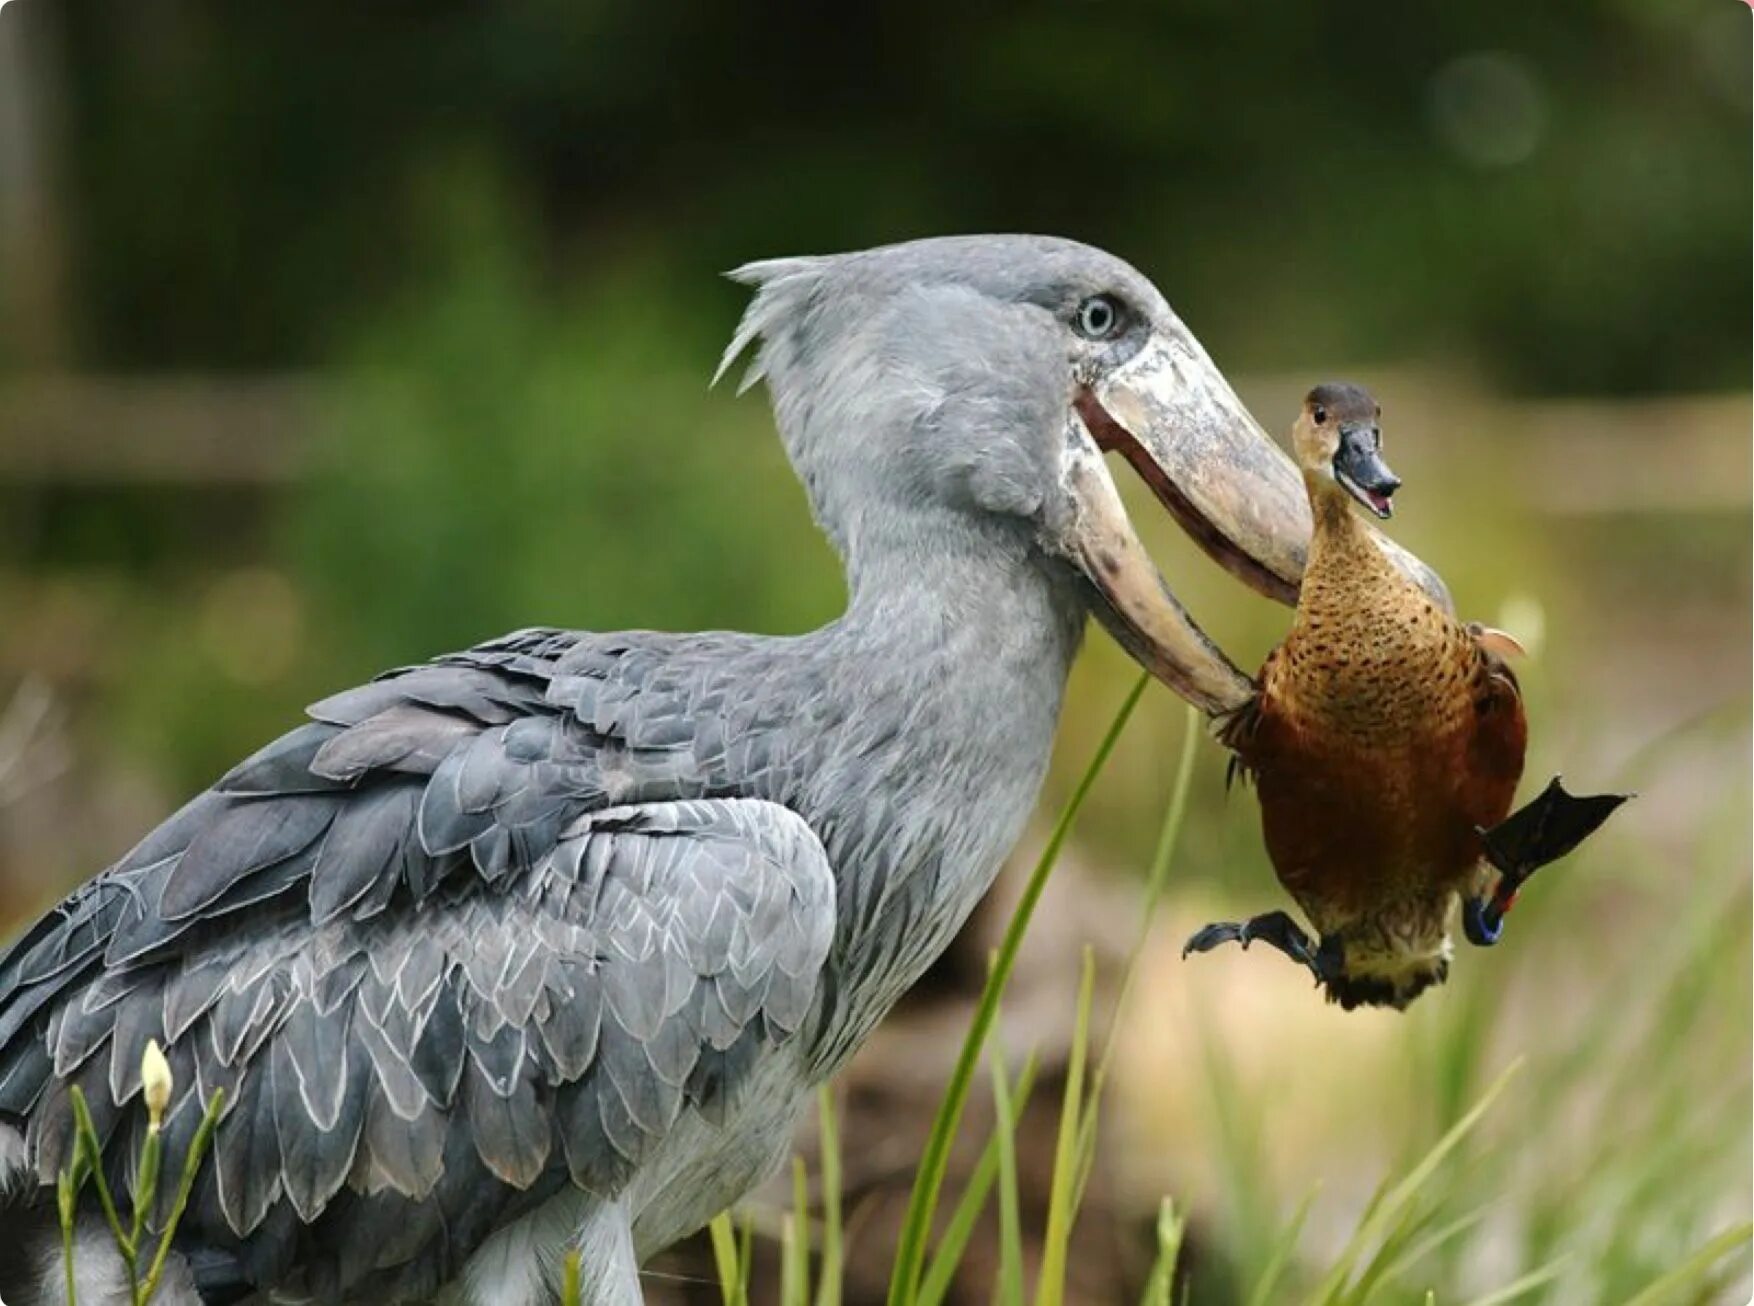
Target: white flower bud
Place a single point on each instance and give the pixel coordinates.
(155, 1077)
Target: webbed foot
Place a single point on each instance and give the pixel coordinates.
(1274, 928)
(1542, 831)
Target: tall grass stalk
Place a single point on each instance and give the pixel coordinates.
(727, 1261)
(935, 1285)
(1050, 1288)
(910, 1254)
(1156, 877)
(1280, 1256)
(1161, 1282)
(1522, 1287)
(828, 1287)
(1009, 1289)
(1076, 1142)
(1393, 1214)
(796, 1269)
(1682, 1282)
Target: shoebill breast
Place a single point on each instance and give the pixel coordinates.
(544, 943)
(1386, 739)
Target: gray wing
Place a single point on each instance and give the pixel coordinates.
(439, 962)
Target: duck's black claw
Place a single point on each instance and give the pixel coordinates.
(1208, 937)
(1273, 928)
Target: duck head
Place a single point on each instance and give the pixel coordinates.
(1337, 441)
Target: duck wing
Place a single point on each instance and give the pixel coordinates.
(1498, 733)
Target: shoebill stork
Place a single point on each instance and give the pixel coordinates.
(545, 943)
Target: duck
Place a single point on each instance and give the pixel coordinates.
(1386, 742)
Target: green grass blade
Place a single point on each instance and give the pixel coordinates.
(745, 1257)
(828, 1286)
(725, 1260)
(85, 1137)
(1696, 1270)
(1050, 1286)
(1418, 1251)
(1406, 1233)
(794, 1290)
(1168, 836)
(910, 1256)
(66, 1194)
(1161, 1282)
(1396, 1205)
(570, 1286)
(185, 1186)
(1156, 877)
(1252, 1211)
(1524, 1285)
(1009, 1289)
(146, 1184)
(797, 1266)
(1280, 1256)
(935, 1286)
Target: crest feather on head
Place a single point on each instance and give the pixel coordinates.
(780, 284)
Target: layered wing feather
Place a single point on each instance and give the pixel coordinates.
(1498, 740)
(479, 930)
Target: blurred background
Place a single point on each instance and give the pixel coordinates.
(332, 337)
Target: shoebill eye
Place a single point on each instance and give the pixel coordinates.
(1099, 318)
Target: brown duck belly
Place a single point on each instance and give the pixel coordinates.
(1354, 827)
(1375, 772)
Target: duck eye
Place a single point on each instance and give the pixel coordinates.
(1319, 413)
(1099, 317)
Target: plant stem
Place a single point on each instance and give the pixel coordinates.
(86, 1141)
(1155, 879)
(67, 1193)
(1050, 1286)
(828, 1289)
(569, 1279)
(724, 1239)
(1169, 1245)
(922, 1205)
(191, 1164)
(1010, 1286)
(935, 1283)
(145, 1190)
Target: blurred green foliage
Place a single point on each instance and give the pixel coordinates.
(520, 456)
(1558, 189)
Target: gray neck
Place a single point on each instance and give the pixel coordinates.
(931, 737)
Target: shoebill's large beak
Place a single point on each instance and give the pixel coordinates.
(1169, 412)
